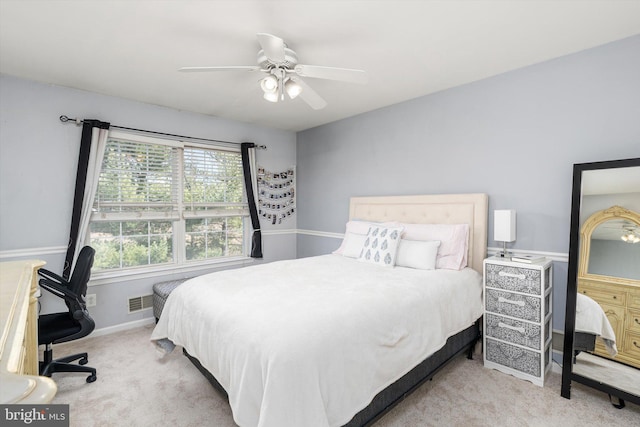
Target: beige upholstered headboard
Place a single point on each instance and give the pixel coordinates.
(469, 209)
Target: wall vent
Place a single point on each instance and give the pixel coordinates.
(140, 303)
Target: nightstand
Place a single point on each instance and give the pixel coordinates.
(517, 317)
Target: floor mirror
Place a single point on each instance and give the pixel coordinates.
(602, 322)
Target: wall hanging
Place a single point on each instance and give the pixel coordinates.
(276, 194)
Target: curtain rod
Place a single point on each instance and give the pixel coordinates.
(78, 122)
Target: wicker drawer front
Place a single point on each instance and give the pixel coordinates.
(520, 359)
(513, 305)
(515, 331)
(516, 279)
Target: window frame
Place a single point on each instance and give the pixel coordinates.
(179, 264)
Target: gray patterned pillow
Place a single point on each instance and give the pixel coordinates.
(381, 245)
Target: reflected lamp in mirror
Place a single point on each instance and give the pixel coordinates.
(504, 228)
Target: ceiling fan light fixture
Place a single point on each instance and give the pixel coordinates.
(271, 96)
(269, 84)
(293, 89)
(630, 237)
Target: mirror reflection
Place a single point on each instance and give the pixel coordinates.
(615, 249)
(604, 343)
(607, 291)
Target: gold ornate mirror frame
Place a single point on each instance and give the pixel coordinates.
(614, 212)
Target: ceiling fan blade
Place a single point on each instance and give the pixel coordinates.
(310, 96)
(331, 73)
(222, 68)
(272, 46)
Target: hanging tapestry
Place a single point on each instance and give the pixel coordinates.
(276, 194)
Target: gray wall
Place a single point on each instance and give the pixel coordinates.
(514, 136)
(614, 258)
(38, 159)
(591, 204)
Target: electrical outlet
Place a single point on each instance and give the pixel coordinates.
(91, 300)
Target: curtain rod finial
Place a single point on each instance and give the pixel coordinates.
(65, 119)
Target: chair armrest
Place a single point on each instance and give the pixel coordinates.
(50, 275)
(57, 289)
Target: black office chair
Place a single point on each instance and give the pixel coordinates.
(70, 325)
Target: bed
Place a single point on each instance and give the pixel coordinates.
(592, 322)
(333, 340)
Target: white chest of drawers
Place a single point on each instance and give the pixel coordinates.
(517, 318)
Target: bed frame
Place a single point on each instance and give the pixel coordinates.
(469, 209)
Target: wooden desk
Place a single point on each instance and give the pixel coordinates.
(19, 379)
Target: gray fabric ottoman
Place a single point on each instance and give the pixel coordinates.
(161, 292)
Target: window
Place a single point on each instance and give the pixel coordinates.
(163, 202)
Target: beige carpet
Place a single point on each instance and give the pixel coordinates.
(136, 387)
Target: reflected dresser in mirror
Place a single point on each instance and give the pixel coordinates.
(609, 274)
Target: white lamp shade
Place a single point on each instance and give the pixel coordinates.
(504, 225)
(269, 84)
(293, 89)
(270, 96)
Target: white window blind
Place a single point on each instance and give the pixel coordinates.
(213, 184)
(138, 178)
(163, 202)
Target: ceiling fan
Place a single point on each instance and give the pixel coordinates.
(284, 73)
(630, 234)
(618, 229)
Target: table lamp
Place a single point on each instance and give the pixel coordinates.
(504, 228)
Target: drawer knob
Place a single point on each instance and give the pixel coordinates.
(636, 344)
(506, 274)
(502, 299)
(514, 328)
(637, 320)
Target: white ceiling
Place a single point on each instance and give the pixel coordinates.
(611, 181)
(132, 49)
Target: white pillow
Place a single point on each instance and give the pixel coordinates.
(353, 244)
(417, 254)
(454, 238)
(381, 245)
(357, 227)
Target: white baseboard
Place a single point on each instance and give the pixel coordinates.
(122, 327)
(555, 366)
(114, 329)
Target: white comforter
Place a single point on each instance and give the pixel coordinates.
(310, 342)
(590, 318)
